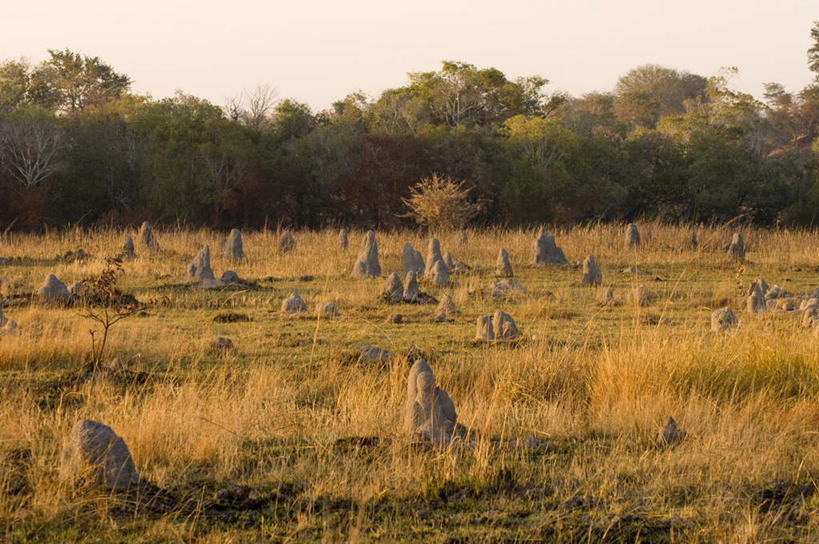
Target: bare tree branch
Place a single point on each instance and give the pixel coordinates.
(28, 149)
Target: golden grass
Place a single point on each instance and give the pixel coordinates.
(590, 384)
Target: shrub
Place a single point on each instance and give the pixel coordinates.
(440, 203)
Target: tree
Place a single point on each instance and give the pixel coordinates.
(292, 119)
(541, 141)
(398, 111)
(353, 110)
(69, 83)
(177, 181)
(462, 95)
(737, 112)
(554, 175)
(29, 142)
(776, 96)
(253, 108)
(780, 112)
(227, 158)
(650, 92)
(809, 96)
(808, 111)
(14, 85)
(590, 112)
(813, 51)
(100, 174)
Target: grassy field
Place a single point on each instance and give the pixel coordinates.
(307, 439)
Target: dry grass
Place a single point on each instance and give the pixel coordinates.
(591, 385)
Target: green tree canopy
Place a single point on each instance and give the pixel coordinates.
(69, 82)
(15, 80)
(649, 92)
(461, 95)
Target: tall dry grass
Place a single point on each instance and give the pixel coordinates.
(570, 412)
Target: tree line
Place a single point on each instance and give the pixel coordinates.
(77, 147)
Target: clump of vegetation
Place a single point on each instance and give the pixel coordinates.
(441, 203)
(106, 307)
(230, 317)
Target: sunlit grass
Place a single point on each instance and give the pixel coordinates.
(562, 423)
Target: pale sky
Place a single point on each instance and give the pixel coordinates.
(319, 51)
